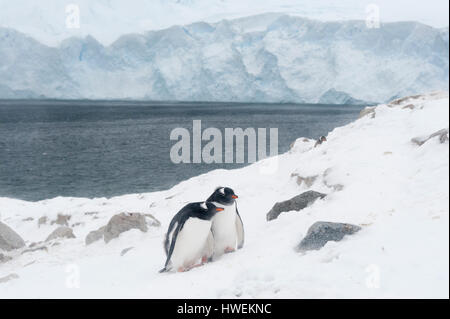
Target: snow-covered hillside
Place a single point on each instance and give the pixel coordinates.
(263, 58)
(375, 176)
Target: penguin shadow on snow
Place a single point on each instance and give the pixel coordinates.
(201, 232)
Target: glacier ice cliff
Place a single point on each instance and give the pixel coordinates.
(263, 58)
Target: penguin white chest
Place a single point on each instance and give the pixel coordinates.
(190, 242)
(224, 228)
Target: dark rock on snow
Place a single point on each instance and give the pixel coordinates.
(322, 232)
(296, 203)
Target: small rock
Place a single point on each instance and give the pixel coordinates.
(443, 137)
(8, 278)
(28, 219)
(366, 111)
(61, 232)
(322, 232)
(4, 258)
(123, 252)
(90, 213)
(123, 222)
(171, 196)
(9, 239)
(409, 106)
(77, 224)
(62, 220)
(296, 203)
(308, 181)
(335, 187)
(95, 235)
(42, 221)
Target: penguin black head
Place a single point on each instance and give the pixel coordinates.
(223, 195)
(207, 210)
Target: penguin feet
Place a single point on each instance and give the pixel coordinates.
(229, 250)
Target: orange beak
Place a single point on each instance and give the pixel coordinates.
(219, 209)
(234, 196)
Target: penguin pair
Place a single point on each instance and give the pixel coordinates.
(202, 231)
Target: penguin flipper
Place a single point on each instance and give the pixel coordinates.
(172, 244)
(173, 225)
(239, 230)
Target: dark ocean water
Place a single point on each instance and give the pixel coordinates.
(95, 149)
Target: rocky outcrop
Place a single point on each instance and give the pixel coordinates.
(442, 134)
(9, 239)
(403, 99)
(123, 222)
(95, 235)
(322, 232)
(294, 204)
(61, 232)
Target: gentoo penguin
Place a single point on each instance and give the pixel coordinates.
(320, 141)
(189, 237)
(227, 227)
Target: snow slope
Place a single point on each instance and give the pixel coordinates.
(263, 58)
(396, 190)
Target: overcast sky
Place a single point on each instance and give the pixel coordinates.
(108, 19)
